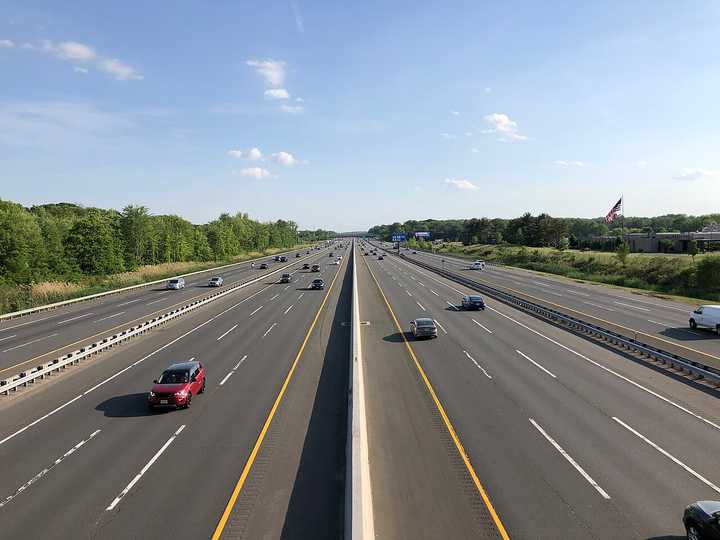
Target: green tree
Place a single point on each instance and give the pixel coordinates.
(91, 244)
(621, 252)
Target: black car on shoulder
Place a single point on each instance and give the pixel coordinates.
(702, 520)
(317, 284)
(473, 301)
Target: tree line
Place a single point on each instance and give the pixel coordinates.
(65, 241)
(542, 230)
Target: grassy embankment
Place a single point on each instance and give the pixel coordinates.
(19, 297)
(680, 276)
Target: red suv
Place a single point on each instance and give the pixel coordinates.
(177, 384)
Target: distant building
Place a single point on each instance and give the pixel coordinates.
(672, 242)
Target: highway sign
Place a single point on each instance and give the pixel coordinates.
(422, 234)
(398, 237)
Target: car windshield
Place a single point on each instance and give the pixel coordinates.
(174, 376)
(474, 298)
(174, 281)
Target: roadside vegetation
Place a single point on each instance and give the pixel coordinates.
(695, 277)
(56, 252)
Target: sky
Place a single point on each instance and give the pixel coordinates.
(343, 115)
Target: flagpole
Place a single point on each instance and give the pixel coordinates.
(622, 223)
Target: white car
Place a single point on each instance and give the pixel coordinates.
(178, 283)
(336, 262)
(216, 281)
(707, 316)
(478, 265)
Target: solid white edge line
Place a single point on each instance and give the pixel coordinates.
(147, 466)
(526, 357)
(668, 455)
(570, 460)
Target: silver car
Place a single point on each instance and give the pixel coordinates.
(178, 283)
(423, 327)
(216, 281)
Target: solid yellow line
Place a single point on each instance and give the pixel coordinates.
(446, 419)
(261, 437)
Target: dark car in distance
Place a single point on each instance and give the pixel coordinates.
(176, 386)
(297, 255)
(473, 301)
(306, 266)
(315, 268)
(285, 278)
(702, 520)
(317, 284)
(283, 258)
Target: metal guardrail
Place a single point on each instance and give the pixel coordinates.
(359, 520)
(699, 369)
(25, 378)
(55, 305)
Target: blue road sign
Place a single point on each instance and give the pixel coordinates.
(398, 237)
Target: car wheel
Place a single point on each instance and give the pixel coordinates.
(188, 400)
(692, 532)
(202, 388)
(693, 324)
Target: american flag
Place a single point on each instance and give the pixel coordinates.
(614, 211)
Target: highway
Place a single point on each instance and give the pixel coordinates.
(39, 337)
(663, 318)
(82, 456)
(502, 427)
(567, 438)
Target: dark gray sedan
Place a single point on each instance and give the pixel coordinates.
(423, 327)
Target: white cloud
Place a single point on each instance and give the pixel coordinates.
(461, 184)
(80, 52)
(474, 150)
(502, 125)
(455, 113)
(277, 93)
(285, 158)
(71, 50)
(488, 89)
(254, 154)
(6, 44)
(641, 164)
(563, 163)
(292, 109)
(448, 136)
(120, 70)
(255, 172)
(273, 71)
(697, 174)
(82, 70)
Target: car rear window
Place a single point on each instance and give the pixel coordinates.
(474, 298)
(174, 281)
(425, 323)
